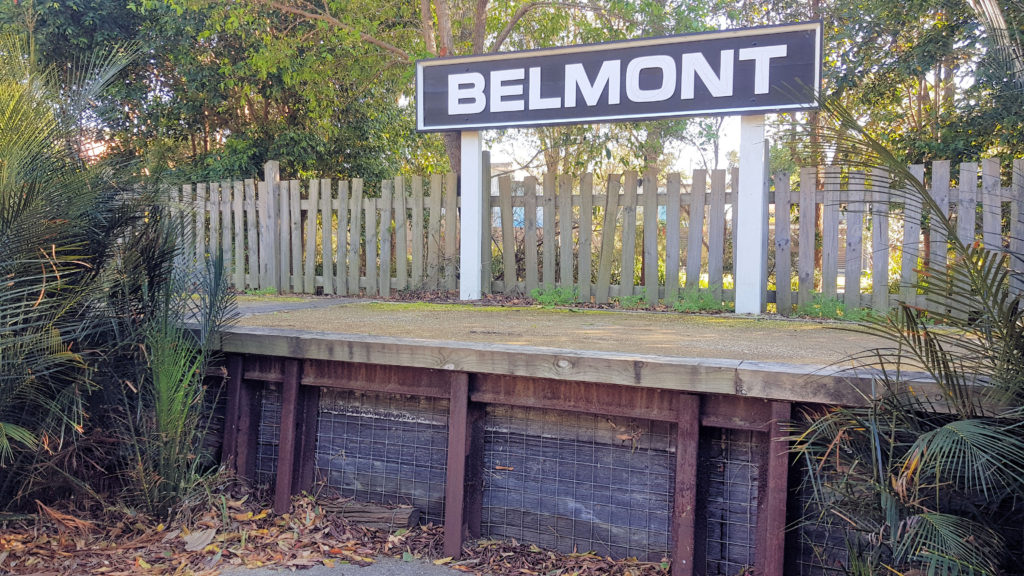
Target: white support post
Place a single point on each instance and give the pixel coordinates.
(472, 217)
(751, 250)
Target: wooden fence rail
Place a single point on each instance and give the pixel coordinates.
(630, 236)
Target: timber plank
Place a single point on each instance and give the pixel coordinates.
(370, 221)
(771, 513)
(684, 508)
(530, 233)
(880, 239)
(783, 247)
(384, 280)
(401, 217)
(341, 233)
(296, 282)
(326, 235)
(854, 240)
(548, 241)
(214, 209)
(238, 235)
(312, 203)
(627, 269)
(672, 238)
(1017, 228)
(991, 201)
(695, 229)
(911, 241)
(967, 202)
(939, 249)
(434, 234)
(272, 180)
(486, 225)
(585, 249)
(455, 475)
(608, 227)
(716, 234)
(355, 212)
(830, 234)
(252, 244)
(419, 240)
(287, 436)
(508, 238)
(451, 232)
(650, 255)
(805, 238)
(564, 198)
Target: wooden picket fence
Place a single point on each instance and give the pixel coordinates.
(632, 236)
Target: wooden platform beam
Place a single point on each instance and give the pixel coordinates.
(455, 478)
(229, 454)
(771, 514)
(286, 446)
(684, 508)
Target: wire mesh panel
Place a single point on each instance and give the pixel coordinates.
(269, 434)
(729, 473)
(816, 547)
(577, 482)
(385, 448)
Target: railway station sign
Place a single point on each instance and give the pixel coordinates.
(738, 72)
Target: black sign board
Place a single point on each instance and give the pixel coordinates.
(752, 70)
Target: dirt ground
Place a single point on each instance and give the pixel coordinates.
(765, 339)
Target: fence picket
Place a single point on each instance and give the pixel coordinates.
(911, 242)
(355, 214)
(341, 232)
(1017, 227)
(252, 245)
(854, 241)
(200, 224)
(486, 225)
(326, 236)
(585, 249)
(548, 232)
(370, 223)
(805, 236)
(530, 233)
(451, 231)
(508, 239)
(992, 210)
(434, 234)
(295, 279)
(608, 228)
(880, 239)
(783, 250)
(650, 255)
(238, 236)
(226, 234)
(419, 240)
(272, 179)
(967, 202)
(213, 207)
(401, 217)
(565, 277)
(672, 238)
(628, 269)
(695, 229)
(716, 233)
(312, 203)
(384, 207)
(284, 235)
(830, 234)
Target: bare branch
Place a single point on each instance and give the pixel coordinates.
(329, 19)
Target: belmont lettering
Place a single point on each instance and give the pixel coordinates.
(505, 91)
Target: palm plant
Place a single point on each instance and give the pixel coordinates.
(93, 310)
(928, 483)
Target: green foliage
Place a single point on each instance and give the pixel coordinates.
(633, 301)
(92, 337)
(831, 308)
(550, 296)
(928, 476)
(698, 301)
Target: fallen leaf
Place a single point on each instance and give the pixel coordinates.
(196, 541)
(442, 561)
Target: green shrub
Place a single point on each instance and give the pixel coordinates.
(698, 301)
(633, 301)
(831, 309)
(551, 296)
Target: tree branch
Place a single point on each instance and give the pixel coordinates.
(527, 8)
(326, 17)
